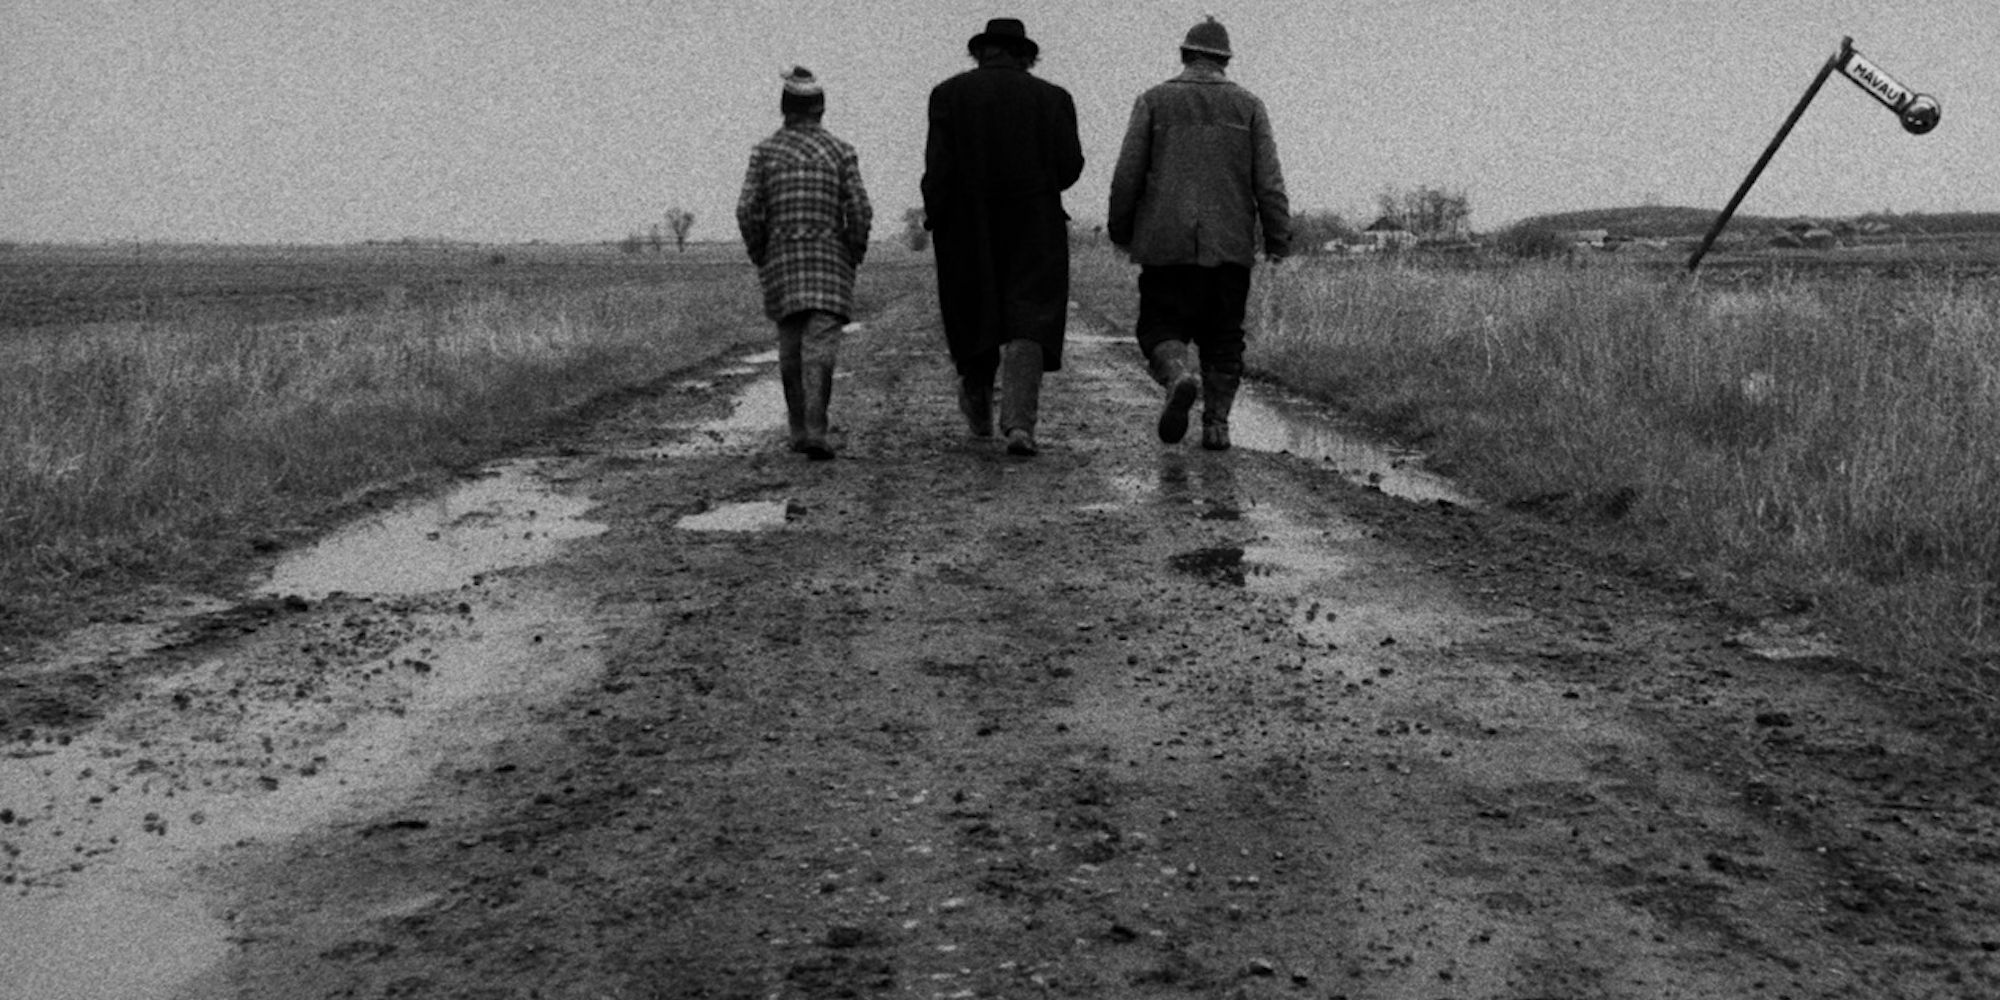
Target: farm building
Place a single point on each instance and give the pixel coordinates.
(1388, 234)
(1806, 235)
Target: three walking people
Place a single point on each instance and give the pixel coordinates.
(1196, 193)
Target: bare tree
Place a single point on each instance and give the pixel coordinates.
(1427, 212)
(681, 221)
(914, 233)
(1313, 230)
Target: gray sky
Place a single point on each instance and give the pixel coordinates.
(315, 121)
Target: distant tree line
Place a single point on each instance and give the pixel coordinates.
(679, 221)
(1427, 212)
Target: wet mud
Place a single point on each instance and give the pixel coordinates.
(667, 711)
(403, 650)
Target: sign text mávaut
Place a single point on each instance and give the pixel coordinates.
(1873, 80)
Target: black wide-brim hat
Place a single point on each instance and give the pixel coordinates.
(1006, 32)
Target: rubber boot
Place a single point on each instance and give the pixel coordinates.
(1218, 395)
(816, 379)
(976, 402)
(790, 369)
(1020, 395)
(1170, 369)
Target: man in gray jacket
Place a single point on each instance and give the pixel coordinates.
(1197, 175)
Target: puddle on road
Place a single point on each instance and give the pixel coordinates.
(508, 518)
(104, 830)
(161, 937)
(1281, 425)
(757, 413)
(100, 832)
(1316, 572)
(1285, 559)
(1113, 339)
(1264, 422)
(756, 515)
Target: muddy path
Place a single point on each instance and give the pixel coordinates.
(1122, 720)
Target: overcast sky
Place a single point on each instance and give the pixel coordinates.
(503, 120)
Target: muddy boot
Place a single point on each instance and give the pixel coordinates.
(816, 379)
(976, 402)
(1170, 369)
(1218, 394)
(1020, 395)
(789, 373)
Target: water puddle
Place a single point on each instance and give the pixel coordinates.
(1327, 579)
(1286, 559)
(757, 413)
(161, 936)
(756, 515)
(1087, 336)
(505, 519)
(104, 830)
(1264, 422)
(749, 364)
(101, 833)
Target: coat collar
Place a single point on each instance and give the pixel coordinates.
(1202, 71)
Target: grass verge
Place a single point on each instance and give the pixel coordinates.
(142, 452)
(1828, 444)
(1832, 440)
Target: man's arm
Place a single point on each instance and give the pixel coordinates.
(1128, 177)
(937, 163)
(1274, 209)
(859, 213)
(1069, 146)
(751, 212)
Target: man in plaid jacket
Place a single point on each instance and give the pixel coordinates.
(804, 216)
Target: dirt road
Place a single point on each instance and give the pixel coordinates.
(1118, 721)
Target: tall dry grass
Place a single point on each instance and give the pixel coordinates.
(1836, 438)
(135, 449)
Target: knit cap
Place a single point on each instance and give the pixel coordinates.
(1208, 37)
(802, 91)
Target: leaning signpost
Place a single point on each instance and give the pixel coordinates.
(1918, 113)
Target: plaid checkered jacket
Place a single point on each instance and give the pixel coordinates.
(804, 216)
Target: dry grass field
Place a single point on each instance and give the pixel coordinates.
(1121, 719)
(166, 409)
(1818, 431)
(1817, 428)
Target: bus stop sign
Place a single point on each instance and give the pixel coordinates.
(1919, 112)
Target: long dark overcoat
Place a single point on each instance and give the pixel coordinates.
(1002, 149)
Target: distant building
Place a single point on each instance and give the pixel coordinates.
(1809, 238)
(1388, 234)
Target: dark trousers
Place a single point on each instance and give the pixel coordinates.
(1199, 305)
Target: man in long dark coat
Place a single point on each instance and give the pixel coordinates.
(1002, 149)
